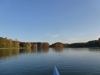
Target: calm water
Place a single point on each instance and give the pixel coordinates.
(69, 61)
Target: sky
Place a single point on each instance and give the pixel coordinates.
(66, 21)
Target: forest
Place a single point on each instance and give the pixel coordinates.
(15, 44)
(92, 43)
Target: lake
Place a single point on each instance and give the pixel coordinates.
(69, 61)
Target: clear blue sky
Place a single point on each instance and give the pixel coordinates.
(50, 21)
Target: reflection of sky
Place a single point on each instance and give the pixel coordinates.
(54, 20)
(70, 60)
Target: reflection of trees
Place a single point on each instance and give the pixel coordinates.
(25, 50)
(34, 49)
(8, 52)
(28, 50)
(58, 49)
(44, 49)
(94, 49)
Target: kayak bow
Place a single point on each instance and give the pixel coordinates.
(56, 71)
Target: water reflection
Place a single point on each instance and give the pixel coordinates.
(94, 49)
(25, 51)
(15, 52)
(58, 49)
(44, 50)
(8, 52)
(35, 50)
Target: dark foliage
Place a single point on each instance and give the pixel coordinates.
(9, 43)
(57, 45)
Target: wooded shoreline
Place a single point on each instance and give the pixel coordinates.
(6, 43)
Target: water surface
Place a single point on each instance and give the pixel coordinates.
(69, 61)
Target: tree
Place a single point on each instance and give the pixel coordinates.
(58, 45)
(9, 43)
(16, 43)
(34, 45)
(27, 45)
(66, 45)
(3, 42)
(99, 42)
(45, 45)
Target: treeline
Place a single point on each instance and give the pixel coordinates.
(93, 43)
(34, 45)
(9, 43)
